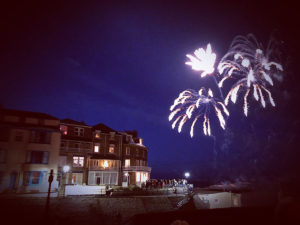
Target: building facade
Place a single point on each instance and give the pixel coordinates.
(99, 155)
(134, 160)
(32, 144)
(104, 164)
(75, 148)
(29, 150)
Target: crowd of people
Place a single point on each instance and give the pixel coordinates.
(162, 183)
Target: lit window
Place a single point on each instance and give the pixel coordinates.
(78, 131)
(78, 161)
(97, 134)
(127, 151)
(63, 129)
(105, 164)
(111, 148)
(144, 177)
(138, 176)
(127, 162)
(96, 148)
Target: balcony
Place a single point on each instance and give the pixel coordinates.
(75, 150)
(137, 168)
(103, 169)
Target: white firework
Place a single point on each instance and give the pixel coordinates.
(204, 61)
(253, 68)
(192, 104)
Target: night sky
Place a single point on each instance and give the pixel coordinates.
(122, 63)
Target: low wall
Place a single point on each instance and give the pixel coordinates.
(84, 190)
(217, 200)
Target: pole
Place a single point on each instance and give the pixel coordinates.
(50, 179)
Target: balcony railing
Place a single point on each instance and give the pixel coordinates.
(137, 168)
(103, 169)
(81, 150)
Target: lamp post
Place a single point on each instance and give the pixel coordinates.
(50, 179)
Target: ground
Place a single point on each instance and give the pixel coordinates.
(82, 210)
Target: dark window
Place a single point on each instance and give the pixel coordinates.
(19, 136)
(37, 157)
(35, 177)
(1, 176)
(2, 156)
(78, 131)
(42, 137)
(98, 181)
(4, 133)
(32, 178)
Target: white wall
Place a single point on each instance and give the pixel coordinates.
(84, 190)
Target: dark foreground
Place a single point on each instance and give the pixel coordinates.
(232, 216)
(137, 211)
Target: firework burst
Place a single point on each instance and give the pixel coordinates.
(253, 68)
(191, 104)
(204, 61)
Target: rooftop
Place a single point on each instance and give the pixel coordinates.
(21, 113)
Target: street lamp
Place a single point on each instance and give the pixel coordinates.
(66, 169)
(187, 175)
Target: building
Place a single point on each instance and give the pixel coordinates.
(99, 155)
(134, 159)
(32, 144)
(104, 164)
(75, 148)
(29, 150)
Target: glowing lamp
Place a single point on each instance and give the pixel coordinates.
(66, 169)
(187, 175)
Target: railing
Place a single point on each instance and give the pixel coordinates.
(82, 150)
(137, 168)
(103, 169)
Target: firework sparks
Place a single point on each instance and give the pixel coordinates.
(204, 61)
(246, 61)
(193, 104)
(253, 68)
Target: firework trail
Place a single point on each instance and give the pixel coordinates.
(253, 68)
(192, 105)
